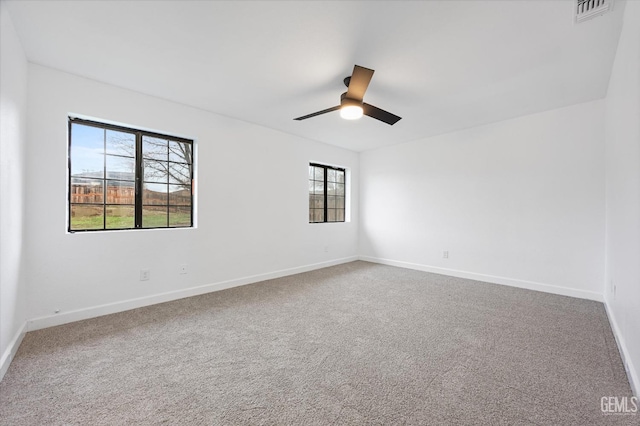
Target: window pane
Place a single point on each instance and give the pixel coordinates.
(340, 202)
(179, 173)
(120, 192)
(311, 186)
(316, 201)
(155, 148)
(340, 176)
(318, 187)
(121, 143)
(179, 216)
(122, 168)
(156, 171)
(340, 189)
(318, 215)
(87, 151)
(87, 190)
(340, 215)
(119, 217)
(331, 175)
(311, 172)
(179, 195)
(331, 202)
(331, 188)
(331, 215)
(155, 193)
(86, 217)
(319, 173)
(180, 152)
(154, 217)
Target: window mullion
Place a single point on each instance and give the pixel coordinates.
(104, 179)
(139, 183)
(326, 190)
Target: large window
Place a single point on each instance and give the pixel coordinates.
(326, 193)
(122, 178)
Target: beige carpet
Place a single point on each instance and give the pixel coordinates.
(358, 343)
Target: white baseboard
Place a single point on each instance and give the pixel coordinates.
(125, 305)
(11, 350)
(632, 373)
(530, 285)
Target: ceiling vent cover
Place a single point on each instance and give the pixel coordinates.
(587, 9)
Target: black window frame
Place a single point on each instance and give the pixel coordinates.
(139, 177)
(326, 168)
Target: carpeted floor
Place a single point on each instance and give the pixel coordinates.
(358, 343)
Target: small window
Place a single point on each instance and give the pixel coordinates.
(326, 194)
(122, 178)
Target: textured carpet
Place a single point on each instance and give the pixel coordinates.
(358, 343)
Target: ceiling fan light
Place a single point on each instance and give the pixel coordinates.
(351, 112)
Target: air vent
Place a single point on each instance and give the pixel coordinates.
(587, 9)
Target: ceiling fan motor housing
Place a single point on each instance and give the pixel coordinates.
(344, 101)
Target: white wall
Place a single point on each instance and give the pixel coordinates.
(241, 168)
(517, 202)
(13, 96)
(623, 192)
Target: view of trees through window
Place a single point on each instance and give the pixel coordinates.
(125, 179)
(326, 194)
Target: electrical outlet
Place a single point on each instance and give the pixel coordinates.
(182, 269)
(145, 274)
(445, 254)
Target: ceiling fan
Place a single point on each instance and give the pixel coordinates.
(351, 105)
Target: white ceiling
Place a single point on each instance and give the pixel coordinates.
(441, 65)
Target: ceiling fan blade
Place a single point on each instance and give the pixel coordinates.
(324, 111)
(359, 82)
(380, 114)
